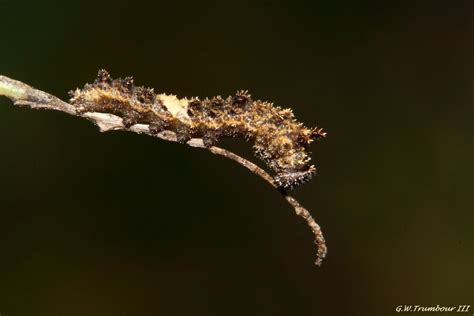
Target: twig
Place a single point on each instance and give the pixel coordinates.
(22, 94)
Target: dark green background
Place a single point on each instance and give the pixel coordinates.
(122, 224)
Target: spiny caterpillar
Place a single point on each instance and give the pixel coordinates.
(278, 138)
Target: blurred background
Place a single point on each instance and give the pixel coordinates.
(123, 224)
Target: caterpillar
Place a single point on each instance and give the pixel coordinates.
(278, 139)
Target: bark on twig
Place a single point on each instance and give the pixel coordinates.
(22, 94)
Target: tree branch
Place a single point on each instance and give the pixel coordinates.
(24, 95)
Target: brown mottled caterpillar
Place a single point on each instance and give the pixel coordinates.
(278, 138)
